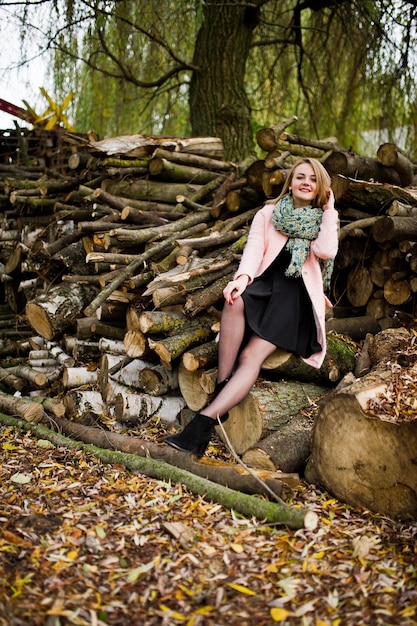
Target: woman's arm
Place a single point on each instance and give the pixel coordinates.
(254, 249)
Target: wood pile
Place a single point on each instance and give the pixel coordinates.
(112, 274)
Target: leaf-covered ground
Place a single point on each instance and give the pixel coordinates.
(86, 543)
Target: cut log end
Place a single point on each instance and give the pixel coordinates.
(39, 320)
(366, 461)
(311, 520)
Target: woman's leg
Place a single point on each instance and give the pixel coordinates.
(232, 330)
(196, 436)
(242, 381)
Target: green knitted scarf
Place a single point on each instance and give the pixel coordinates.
(301, 226)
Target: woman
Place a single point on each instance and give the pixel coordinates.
(277, 296)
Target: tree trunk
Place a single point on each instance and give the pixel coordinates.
(218, 102)
(362, 458)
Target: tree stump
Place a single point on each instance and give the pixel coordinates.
(364, 458)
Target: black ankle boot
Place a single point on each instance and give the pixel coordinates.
(195, 437)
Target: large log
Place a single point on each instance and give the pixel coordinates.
(150, 190)
(364, 460)
(134, 408)
(374, 196)
(365, 435)
(354, 327)
(356, 166)
(265, 409)
(31, 411)
(179, 173)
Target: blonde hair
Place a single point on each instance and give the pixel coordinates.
(322, 177)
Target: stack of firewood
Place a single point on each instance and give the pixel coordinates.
(113, 278)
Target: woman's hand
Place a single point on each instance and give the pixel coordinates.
(235, 288)
(330, 201)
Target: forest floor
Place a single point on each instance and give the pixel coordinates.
(87, 543)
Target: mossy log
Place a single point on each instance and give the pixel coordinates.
(374, 196)
(276, 512)
(150, 190)
(170, 348)
(354, 165)
(170, 171)
(339, 360)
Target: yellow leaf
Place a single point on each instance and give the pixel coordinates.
(271, 568)
(319, 555)
(205, 610)
(237, 547)
(72, 554)
(408, 612)
(278, 615)
(9, 446)
(173, 614)
(187, 591)
(241, 589)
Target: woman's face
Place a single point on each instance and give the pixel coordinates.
(303, 185)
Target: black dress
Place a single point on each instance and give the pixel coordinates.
(279, 309)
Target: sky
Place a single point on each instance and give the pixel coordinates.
(17, 84)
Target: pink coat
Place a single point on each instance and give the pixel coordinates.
(265, 242)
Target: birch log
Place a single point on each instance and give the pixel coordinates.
(56, 310)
